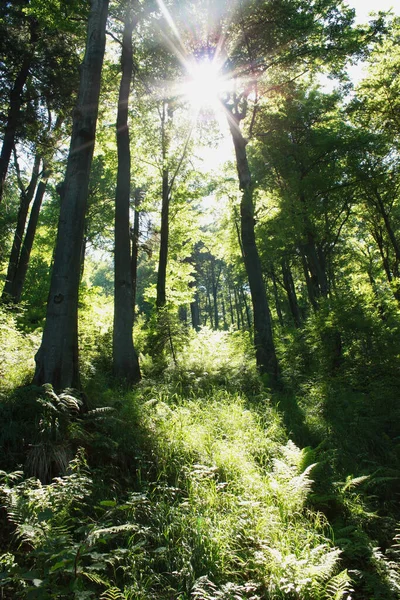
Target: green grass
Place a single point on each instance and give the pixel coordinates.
(199, 485)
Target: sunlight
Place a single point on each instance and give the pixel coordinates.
(205, 84)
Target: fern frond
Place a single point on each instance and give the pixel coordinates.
(95, 578)
(339, 586)
(106, 531)
(99, 412)
(113, 594)
(69, 403)
(352, 482)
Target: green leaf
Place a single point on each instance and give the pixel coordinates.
(110, 503)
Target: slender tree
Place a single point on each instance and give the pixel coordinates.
(125, 360)
(15, 103)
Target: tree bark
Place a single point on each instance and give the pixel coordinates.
(125, 359)
(26, 199)
(57, 358)
(265, 350)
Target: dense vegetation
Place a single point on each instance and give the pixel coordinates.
(214, 411)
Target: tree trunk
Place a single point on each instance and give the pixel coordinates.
(263, 340)
(163, 257)
(214, 287)
(291, 292)
(26, 199)
(239, 314)
(165, 200)
(15, 107)
(224, 314)
(276, 298)
(195, 313)
(125, 360)
(57, 358)
(231, 306)
(135, 249)
(22, 267)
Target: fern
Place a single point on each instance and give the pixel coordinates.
(109, 531)
(113, 594)
(339, 587)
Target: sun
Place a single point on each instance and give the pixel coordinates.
(205, 84)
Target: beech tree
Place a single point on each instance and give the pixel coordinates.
(125, 360)
(57, 357)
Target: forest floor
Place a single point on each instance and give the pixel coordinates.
(200, 484)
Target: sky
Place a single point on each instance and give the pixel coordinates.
(364, 7)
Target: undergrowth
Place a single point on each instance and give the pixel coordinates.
(198, 485)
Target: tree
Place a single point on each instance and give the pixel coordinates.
(57, 357)
(125, 360)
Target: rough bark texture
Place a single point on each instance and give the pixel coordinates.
(263, 340)
(57, 358)
(125, 360)
(15, 107)
(26, 199)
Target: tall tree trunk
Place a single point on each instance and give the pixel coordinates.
(125, 360)
(57, 358)
(309, 283)
(316, 268)
(276, 298)
(22, 267)
(239, 314)
(195, 313)
(265, 350)
(246, 308)
(291, 292)
(224, 314)
(15, 106)
(210, 309)
(164, 238)
(231, 306)
(135, 249)
(214, 287)
(26, 199)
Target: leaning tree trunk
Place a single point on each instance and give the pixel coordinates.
(125, 359)
(26, 199)
(15, 106)
(57, 358)
(22, 267)
(265, 350)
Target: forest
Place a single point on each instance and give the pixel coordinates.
(200, 300)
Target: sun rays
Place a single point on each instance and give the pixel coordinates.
(205, 81)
